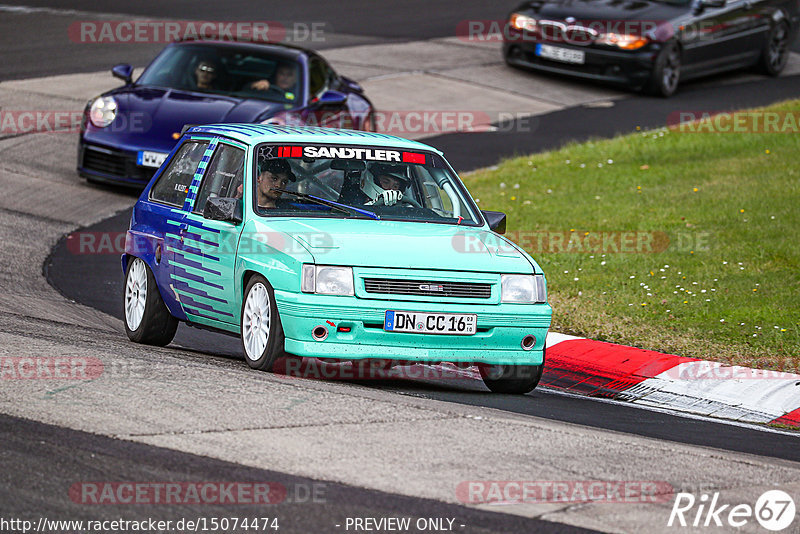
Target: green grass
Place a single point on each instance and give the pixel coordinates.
(730, 206)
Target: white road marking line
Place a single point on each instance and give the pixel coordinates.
(28, 10)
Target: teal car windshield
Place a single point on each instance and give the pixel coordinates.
(359, 181)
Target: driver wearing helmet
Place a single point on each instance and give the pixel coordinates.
(388, 185)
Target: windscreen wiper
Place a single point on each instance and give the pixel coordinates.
(351, 210)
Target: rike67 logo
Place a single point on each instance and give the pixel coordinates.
(774, 510)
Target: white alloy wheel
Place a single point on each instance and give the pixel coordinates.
(135, 294)
(256, 321)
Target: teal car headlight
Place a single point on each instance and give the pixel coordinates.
(327, 280)
(523, 289)
(103, 111)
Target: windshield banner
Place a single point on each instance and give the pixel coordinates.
(343, 152)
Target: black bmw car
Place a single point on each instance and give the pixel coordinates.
(650, 45)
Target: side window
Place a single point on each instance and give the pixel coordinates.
(319, 75)
(174, 182)
(223, 176)
(439, 194)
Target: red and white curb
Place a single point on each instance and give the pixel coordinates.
(648, 378)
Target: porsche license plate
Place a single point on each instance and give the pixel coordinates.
(565, 55)
(147, 158)
(430, 323)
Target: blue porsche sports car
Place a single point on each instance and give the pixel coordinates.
(127, 133)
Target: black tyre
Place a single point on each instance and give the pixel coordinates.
(667, 72)
(261, 331)
(147, 319)
(511, 379)
(775, 54)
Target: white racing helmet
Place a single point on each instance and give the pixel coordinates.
(370, 181)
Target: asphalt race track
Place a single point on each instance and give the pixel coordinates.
(57, 457)
(194, 412)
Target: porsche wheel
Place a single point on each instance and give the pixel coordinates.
(147, 319)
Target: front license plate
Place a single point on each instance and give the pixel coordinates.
(565, 55)
(430, 323)
(147, 158)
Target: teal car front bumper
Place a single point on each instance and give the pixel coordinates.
(498, 340)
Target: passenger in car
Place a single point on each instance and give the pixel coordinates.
(205, 74)
(284, 79)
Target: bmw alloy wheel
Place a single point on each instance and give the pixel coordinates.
(672, 70)
(776, 53)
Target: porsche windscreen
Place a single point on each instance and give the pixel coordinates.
(358, 181)
(227, 71)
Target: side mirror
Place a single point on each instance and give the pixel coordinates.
(224, 209)
(496, 220)
(352, 84)
(124, 72)
(332, 98)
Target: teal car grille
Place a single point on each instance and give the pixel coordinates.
(467, 290)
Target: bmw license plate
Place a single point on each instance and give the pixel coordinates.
(565, 55)
(147, 158)
(430, 323)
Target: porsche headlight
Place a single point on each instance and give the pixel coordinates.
(103, 111)
(523, 289)
(327, 280)
(622, 40)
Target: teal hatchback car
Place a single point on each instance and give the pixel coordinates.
(334, 244)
